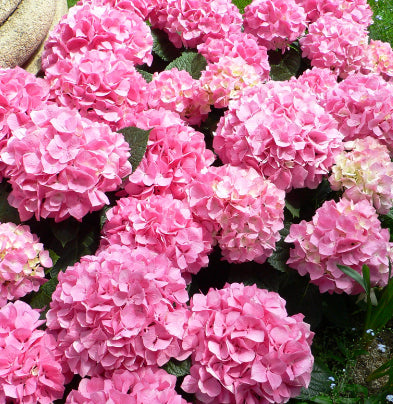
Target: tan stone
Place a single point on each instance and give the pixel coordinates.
(7, 7)
(24, 30)
(33, 65)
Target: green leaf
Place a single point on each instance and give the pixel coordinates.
(163, 47)
(7, 212)
(241, 4)
(137, 139)
(191, 62)
(353, 274)
(43, 297)
(384, 311)
(295, 212)
(71, 3)
(65, 231)
(146, 75)
(177, 368)
(278, 260)
(287, 67)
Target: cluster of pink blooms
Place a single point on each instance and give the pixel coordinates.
(365, 171)
(345, 233)
(30, 372)
(22, 262)
(142, 386)
(164, 225)
(379, 59)
(279, 129)
(241, 209)
(245, 347)
(60, 164)
(119, 309)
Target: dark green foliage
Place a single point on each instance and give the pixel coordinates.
(191, 62)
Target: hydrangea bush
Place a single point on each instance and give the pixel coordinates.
(192, 191)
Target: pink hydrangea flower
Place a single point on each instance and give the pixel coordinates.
(177, 91)
(280, 130)
(61, 165)
(145, 385)
(29, 369)
(335, 44)
(237, 45)
(365, 171)
(88, 27)
(192, 22)
(20, 93)
(175, 154)
(379, 59)
(246, 349)
(22, 262)
(164, 225)
(140, 7)
(120, 309)
(241, 209)
(276, 23)
(362, 106)
(345, 233)
(100, 86)
(224, 81)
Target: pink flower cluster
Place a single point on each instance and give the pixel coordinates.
(22, 262)
(365, 171)
(140, 7)
(276, 23)
(345, 233)
(145, 385)
(379, 59)
(162, 224)
(279, 129)
(61, 165)
(246, 349)
(241, 209)
(192, 22)
(120, 309)
(175, 154)
(29, 369)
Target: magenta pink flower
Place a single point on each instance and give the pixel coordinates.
(246, 349)
(276, 23)
(120, 309)
(192, 22)
(61, 165)
(241, 209)
(344, 233)
(237, 45)
(144, 385)
(177, 91)
(280, 130)
(22, 262)
(379, 59)
(336, 44)
(175, 154)
(140, 7)
(164, 225)
(29, 367)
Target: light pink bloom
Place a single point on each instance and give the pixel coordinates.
(345, 233)
(29, 366)
(145, 385)
(140, 7)
(378, 58)
(22, 262)
(120, 309)
(276, 23)
(246, 349)
(280, 130)
(61, 165)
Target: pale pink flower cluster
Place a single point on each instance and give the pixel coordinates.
(365, 171)
(379, 59)
(362, 106)
(177, 91)
(120, 309)
(279, 129)
(276, 23)
(145, 385)
(345, 233)
(224, 81)
(335, 44)
(237, 45)
(103, 28)
(192, 22)
(20, 93)
(22, 262)
(61, 165)
(246, 349)
(30, 372)
(175, 154)
(241, 209)
(162, 224)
